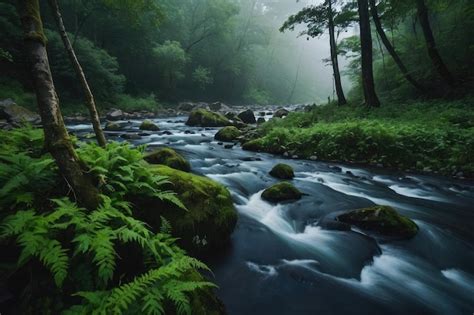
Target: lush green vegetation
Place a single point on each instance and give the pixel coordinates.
(424, 136)
(62, 257)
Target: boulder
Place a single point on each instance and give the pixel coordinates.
(282, 171)
(228, 134)
(131, 136)
(283, 191)
(168, 157)
(113, 126)
(280, 113)
(247, 117)
(15, 114)
(216, 106)
(382, 220)
(186, 106)
(115, 114)
(149, 125)
(260, 120)
(205, 118)
(210, 217)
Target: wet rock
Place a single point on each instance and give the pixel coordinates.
(280, 113)
(228, 134)
(167, 133)
(282, 171)
(205, 118)
(16, 114)
(383, 220)
(209, 220)
(189, 132)
(335, 168)
(313, 158)
(250, 159)
(247, 117)
(228, 146)
(113, 126)
(261, 114)
(115, 114)
(130, 136)
(286, 154)
(216, 106)
(295, 157)
(186, 106)
(168, 157)
(144, 134)
(149, 125)
(260, 120)
(283, 191)
(220, 143)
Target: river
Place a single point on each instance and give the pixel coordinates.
(286, 259)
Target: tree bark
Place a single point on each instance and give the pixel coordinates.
(90, 102)
(436, 59)
(368, 84)
(56, 136)
(341, 99)
(391, 50)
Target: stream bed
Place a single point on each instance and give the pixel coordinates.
(283, 259)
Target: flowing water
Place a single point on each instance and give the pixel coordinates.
(291, 259)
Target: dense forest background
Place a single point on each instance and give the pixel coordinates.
(137, 54)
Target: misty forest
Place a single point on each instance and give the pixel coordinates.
(237, 157)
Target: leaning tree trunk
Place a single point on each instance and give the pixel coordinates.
(391, 50)
(431, 44)
(341, 99)
(90, 102)
(56, 136)
(368, 84)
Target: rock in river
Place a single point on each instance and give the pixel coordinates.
(281, 192)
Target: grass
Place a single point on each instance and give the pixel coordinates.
(425, 136)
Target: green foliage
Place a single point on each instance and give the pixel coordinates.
(419, 136)
(100, 68)
(121, 170)
(171, 59)
(10, 88)
(202, 77)
(81, 249)
(130, 103)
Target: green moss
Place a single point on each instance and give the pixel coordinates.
(254, 145)
(168, 157)
(229, 133)
(282, 171)
(211, 216)
(381, 219)
(281, 192)
(149, 125)
(204, 118)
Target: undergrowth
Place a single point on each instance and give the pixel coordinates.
(65, 259)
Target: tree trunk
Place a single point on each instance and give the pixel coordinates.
(341, 99)
(368, 85)
(390, 48)
(431, 44)
(90, 102)
(56, 136)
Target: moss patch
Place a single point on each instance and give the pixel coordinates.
(112, 126)
(228, 134)
(211, 216)
(168, 157)
(149, 125)
(381, 219)
(282, 171)
(281, 192)
(204, 118)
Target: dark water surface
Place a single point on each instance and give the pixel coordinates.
(284, 260)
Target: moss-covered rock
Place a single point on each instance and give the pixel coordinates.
(282, 171)
(253, 145)
(168, 157)
(229, 133)
(204, 118)
(113, 126)
(149, 126)
(281, 192)
(383, 220)
(210, 217)
(247, 117)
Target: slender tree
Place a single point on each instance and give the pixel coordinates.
(318, 19)
(422, 11)
(368, 84)
(56, 136)
(391, 50)
(89, 97)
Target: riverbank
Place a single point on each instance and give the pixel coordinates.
(432, 137)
